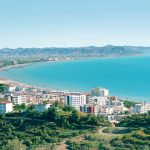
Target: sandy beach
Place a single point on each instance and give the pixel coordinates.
(12, 83)
(12, 66)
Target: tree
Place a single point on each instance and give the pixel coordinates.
(15, 145)
(74, 118)
(19, 108)
(3, 88)
(52, 113)
(30, 108)
(129, 104)
(68, 108)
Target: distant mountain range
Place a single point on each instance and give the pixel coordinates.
(79, 52)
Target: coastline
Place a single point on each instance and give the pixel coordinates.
(63, 59)
(13, 83)
(5, 68)
(7, 81)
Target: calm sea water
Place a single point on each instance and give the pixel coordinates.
(124, 77)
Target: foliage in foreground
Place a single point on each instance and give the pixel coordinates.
(137, 140)
(30, 129)
(136, 120)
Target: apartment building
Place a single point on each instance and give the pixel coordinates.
(75, 100)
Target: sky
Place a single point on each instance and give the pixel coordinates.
(74, 23)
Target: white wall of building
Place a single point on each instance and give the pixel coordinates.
(19, 99)
(100, 92)
(101, 101)
(75, 101)
(141, 108)
(6, 107)
(11, 88)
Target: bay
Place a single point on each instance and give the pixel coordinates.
(127, 77)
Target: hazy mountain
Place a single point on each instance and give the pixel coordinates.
(81, 51)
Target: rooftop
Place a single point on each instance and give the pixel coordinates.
(4, 102)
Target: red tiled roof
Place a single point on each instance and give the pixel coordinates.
(4, 102)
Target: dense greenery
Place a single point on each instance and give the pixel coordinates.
(19, 108)
(136, 140)
(136, 120)
(3, 87)
(31, 128)
(133, 133)
(18, 61)
(128, 104)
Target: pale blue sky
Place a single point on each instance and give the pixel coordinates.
(65, 23)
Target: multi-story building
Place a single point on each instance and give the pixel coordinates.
(75, 100)
(99, 100)
(19, 99)
(89, 109)
(5, 107)
(99, 92)
(141, 108)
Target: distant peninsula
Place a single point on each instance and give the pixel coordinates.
(12, 57)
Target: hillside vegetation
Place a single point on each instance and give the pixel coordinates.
(62, 127)
(81, 51)
(31, 128)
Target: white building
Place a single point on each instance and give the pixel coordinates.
(109, 110)
(101, 101)
(116, 103)
(19, 99)
(75, 100)
(141, 108)
(11, 88)
(99, 92)
(5, 107)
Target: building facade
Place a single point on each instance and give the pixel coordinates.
(99, 92)
(89, 109)
(5, 107)
(75, 100)
(19, 99)
(141, 108)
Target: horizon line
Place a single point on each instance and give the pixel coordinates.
(77, 46)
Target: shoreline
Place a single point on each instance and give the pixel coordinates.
(5, 68)
(7, 81)
(10, 82)
(13, 83)
(68, 58)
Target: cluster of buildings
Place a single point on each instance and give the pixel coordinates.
(40, 98)
(97, 102)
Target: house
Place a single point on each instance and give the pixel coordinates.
(5, 107)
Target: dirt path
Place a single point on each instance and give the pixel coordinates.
(63, 146)
(108, 134)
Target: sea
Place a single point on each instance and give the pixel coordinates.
(125, 77)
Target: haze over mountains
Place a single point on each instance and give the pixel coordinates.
(80, 51)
